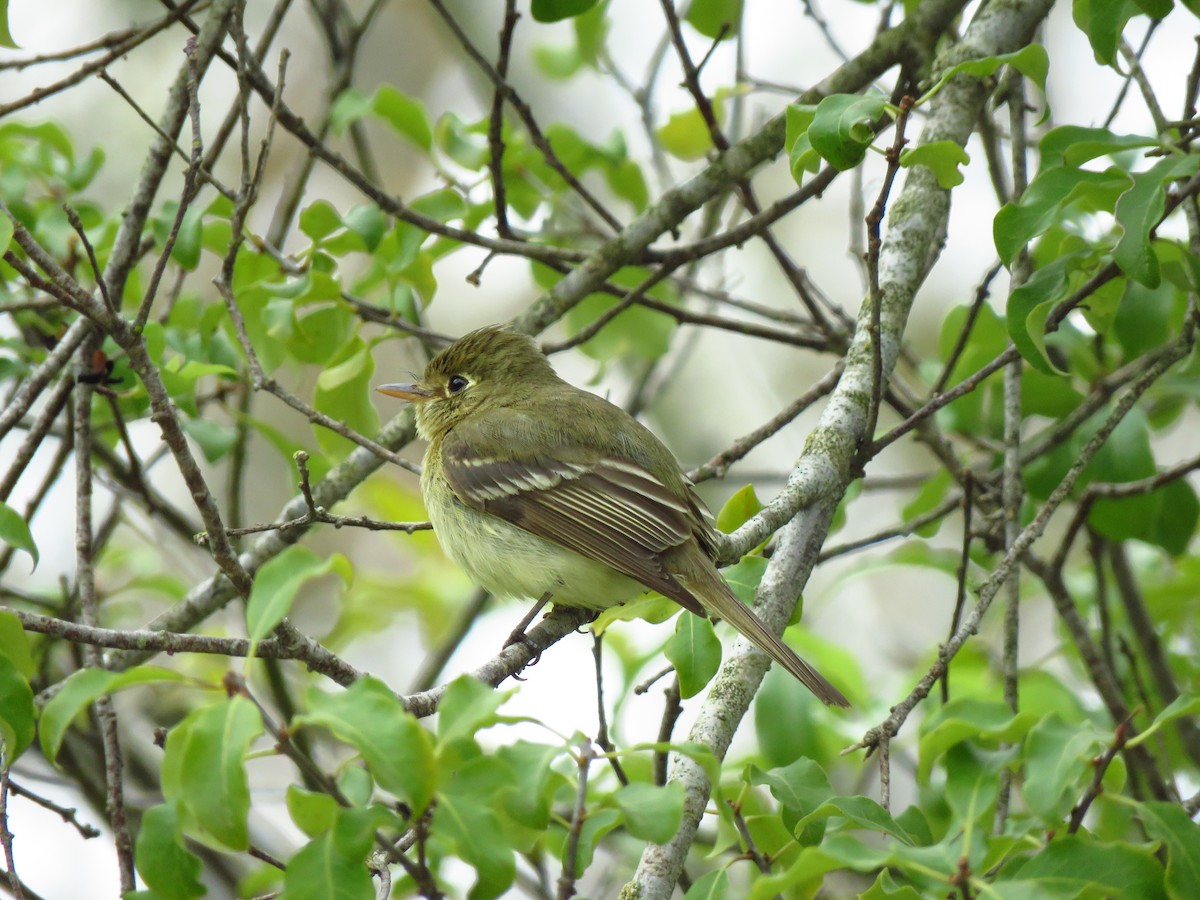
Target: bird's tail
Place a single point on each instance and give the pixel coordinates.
(720, 602)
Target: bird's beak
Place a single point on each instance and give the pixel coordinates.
(414, 393)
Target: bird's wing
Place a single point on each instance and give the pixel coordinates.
(604, 507)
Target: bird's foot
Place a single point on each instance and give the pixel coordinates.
(518, 636)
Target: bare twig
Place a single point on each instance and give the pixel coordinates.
(566, 881)
(67, 814)
(1099, 767)
(602, 739)
(496, 121)
(6, 838)
(874, 243)
(85, 584)
(719, 465)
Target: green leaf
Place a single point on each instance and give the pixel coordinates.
(6, 38)
(343, 393)
(744, 576)
(695, 652)
(1042, 203)
(685, 135)
(591, 33)
(595, 827)
(1181, 836)
(739, 509)
(1075, 865)
(1183, 705)
(558, 62)
(462, 819)
(943, 157)
(405, 115)
(319, 220)
(1147, 318)
(1031, 61)
(313, 812)
(350, 106)
(1103, 21)
(165, 864)
(15, 532)
(280, 579)
(1138, 212)
(204, 767)
(968, 719)
(1126, 456)
(787, 723)
(931, 492)
(860, 811)
(1030, 305)
(80, 689)
(357, 785)
(463, 143)
(800, 788)
(652, 813)
(369, 717)
(844, 126)
(556, 10)
(628, 183)
(1074, 145)
(1178, 516)
(14, 643)
(6, 225)
(1057, 756)
(467, 707)
(16, 710)
(1101, 307)
(214, 439)
(368, 222)
(715, 18)
(188, 243)
(443, 204)
(801, 155)
(712, 886)
(886, 888)
(529, 796)
(1156, 9)
(333, 866)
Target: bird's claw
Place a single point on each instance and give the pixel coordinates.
(519, 636)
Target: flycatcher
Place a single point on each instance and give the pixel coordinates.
(539, 489)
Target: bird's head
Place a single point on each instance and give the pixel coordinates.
(489, 367)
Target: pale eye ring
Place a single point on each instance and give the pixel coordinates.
(457, 383)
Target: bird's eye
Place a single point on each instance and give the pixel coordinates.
(457, 383)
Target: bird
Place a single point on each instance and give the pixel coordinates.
(540, 489)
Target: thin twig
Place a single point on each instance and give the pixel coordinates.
(964, 333)
(496, 121)
(566, 881)
(964, 561)
(6, 837)
(1099, 767)
(874, 243)
(86, 586)
(752, 852)
(719, 465)
(67, 814)
(602, 739)
(672, 710)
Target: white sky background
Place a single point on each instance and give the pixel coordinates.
(885, 616)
